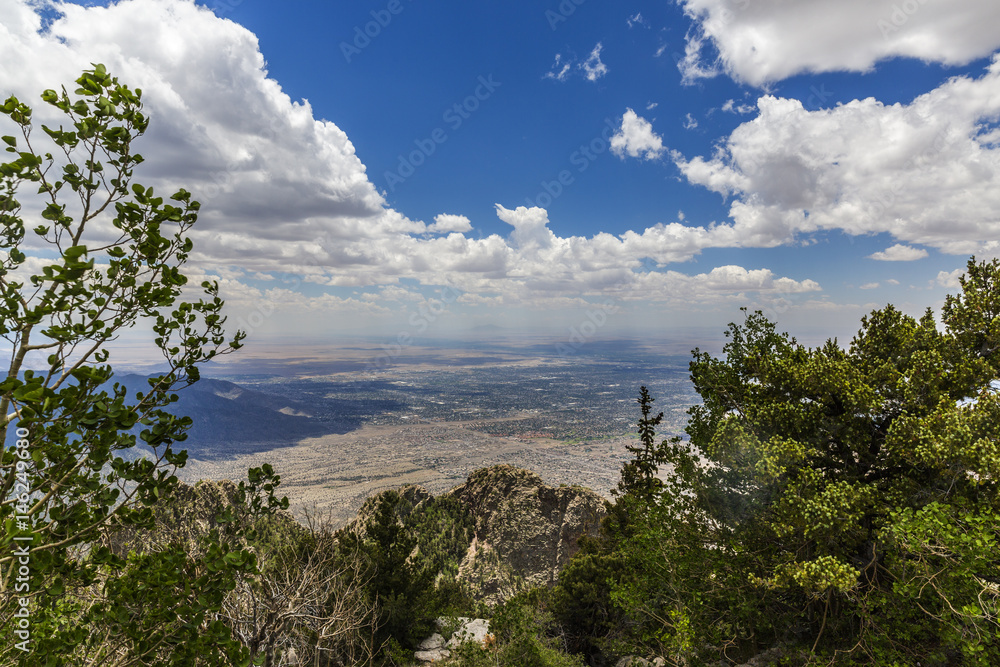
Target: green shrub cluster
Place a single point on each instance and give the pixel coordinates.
(406, 553)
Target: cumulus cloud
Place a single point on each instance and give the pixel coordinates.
(546, 263)
(730, 106)
(899, 253)
(446, 222)
(736, 278)
(950, 278)
(922, 172)
(636, 138)
(285, 194)
(769, 40)
(274, 181)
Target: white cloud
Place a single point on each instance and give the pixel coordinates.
(560, 69)
(899, 253)
(918, 171)
(690, 122)
(480, 300)
(636, 138)
(768, 40)
(278, 187)
(593, 68)
(285, 194)
(396, 294)
(446, 222)
(732, 278)
(950, 278)
(546, 263)
(635, 20)
(691, 66)
(892, 281)
(730, 106)
(530, 230)
(869, 286)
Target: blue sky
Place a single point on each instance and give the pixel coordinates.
(679, 159)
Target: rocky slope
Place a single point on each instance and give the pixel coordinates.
(522, 531)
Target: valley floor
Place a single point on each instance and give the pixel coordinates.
(333, 474)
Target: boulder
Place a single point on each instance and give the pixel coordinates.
(435, 648)
(432, 649)
(633, 661)
(469, 630)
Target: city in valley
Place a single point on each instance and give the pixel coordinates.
(344, 423)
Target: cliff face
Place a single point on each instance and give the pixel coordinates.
(501, 531)
(524, 530)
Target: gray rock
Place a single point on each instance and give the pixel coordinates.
(432, 649)
(525, 531)
(469, 630)
(435, 641)
(632, 661)
(435, 655)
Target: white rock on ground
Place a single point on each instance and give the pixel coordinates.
(434, 647)
(469, 630)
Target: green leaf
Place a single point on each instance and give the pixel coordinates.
(75, 252)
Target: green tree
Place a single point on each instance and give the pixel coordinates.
(105, 256)
(638, 476)
(841, 502)
(399, 588)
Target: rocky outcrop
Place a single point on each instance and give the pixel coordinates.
(432, 649)
(406, 500)
(524, 531)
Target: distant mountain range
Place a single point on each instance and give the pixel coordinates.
(229, 419)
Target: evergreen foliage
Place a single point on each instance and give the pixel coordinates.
(408, 555)
(839, 503)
